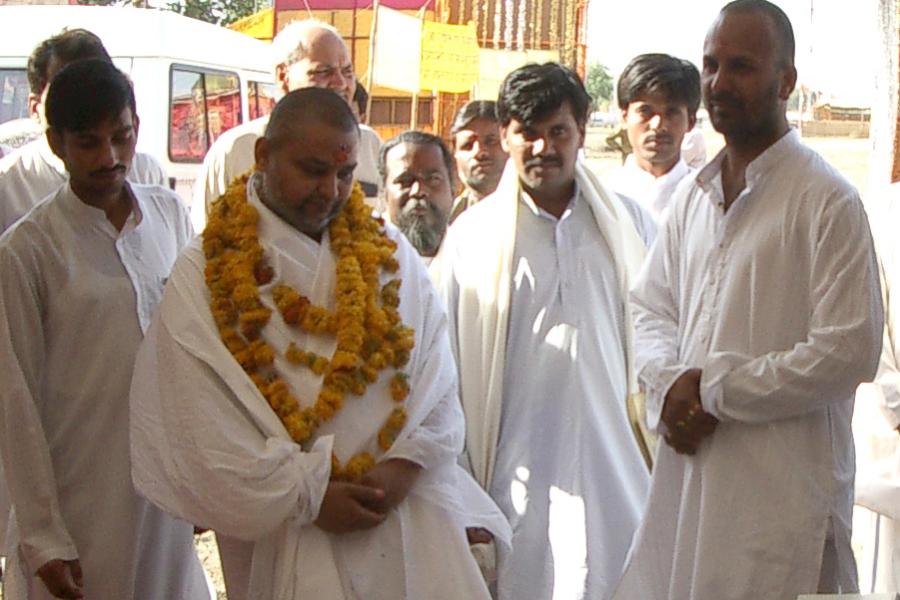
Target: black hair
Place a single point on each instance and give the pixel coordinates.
(309, 104)
(361, 97)
(676, 79)
(87, 92)
(468, 112)
(417, 138)
(533, 91)
(67, 46)
(784, 31)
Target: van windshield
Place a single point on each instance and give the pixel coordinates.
(13, 94)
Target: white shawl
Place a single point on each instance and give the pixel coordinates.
(208, 447)
(484, 286)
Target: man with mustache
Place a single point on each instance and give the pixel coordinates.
(308, 53)
(33, 172)
(416, 171)
(343, 479)
(535, 279)
(659, 96)
(479, 155)
(82, 273)
(757, 315)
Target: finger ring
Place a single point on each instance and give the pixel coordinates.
(693, 411)
(680, 424)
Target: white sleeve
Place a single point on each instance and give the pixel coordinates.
(23, 444)
(888, 376)
(844, 340)
(654, 301)
(196, 454)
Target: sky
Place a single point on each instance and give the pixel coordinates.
(836, 45)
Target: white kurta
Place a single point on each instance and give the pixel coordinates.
(567, 471)
(654, 194)
(778, 302)
(233, 154)
(875, 423)
(75, 299)
(230, 465)
(33, 172)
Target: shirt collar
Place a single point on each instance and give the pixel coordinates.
(529, 202)
(92, 216)
(771, 157)
(678, 170)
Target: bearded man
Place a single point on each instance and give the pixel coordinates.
(299, 372)
(416, 171)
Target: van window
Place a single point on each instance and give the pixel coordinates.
(13, 94)
(203, 104)
(261, 98)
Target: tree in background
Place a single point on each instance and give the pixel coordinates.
(217, 12)
(599, 84)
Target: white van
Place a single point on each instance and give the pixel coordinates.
(192, 80)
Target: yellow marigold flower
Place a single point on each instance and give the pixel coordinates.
(399, 386)
(344, 360)
(263, 354)
(369, 373)
(397, 418)
(358, 466)
(299, 428)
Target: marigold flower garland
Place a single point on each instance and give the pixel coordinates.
(370, 335)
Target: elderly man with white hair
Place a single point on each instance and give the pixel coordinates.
(307, 53)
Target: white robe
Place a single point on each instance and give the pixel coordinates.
(233, 154)
(33, 172)
(75, 299)
(876, 518)
(229, 464)
(778, 302)
(561, 460)
(654, 194)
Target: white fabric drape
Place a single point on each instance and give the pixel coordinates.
(479, 290)
(229, 464)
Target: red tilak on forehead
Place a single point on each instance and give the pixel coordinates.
(342, 153)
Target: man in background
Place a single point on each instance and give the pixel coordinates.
(33, 172)
(417, 175)
(659, 96)
(479, 155)
(307, 53)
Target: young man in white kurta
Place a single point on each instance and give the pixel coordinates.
(548, 433)
(658, 95)
(230, 464)
(33, 172)
(757, 315)
(77, 295)
(308, 53)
